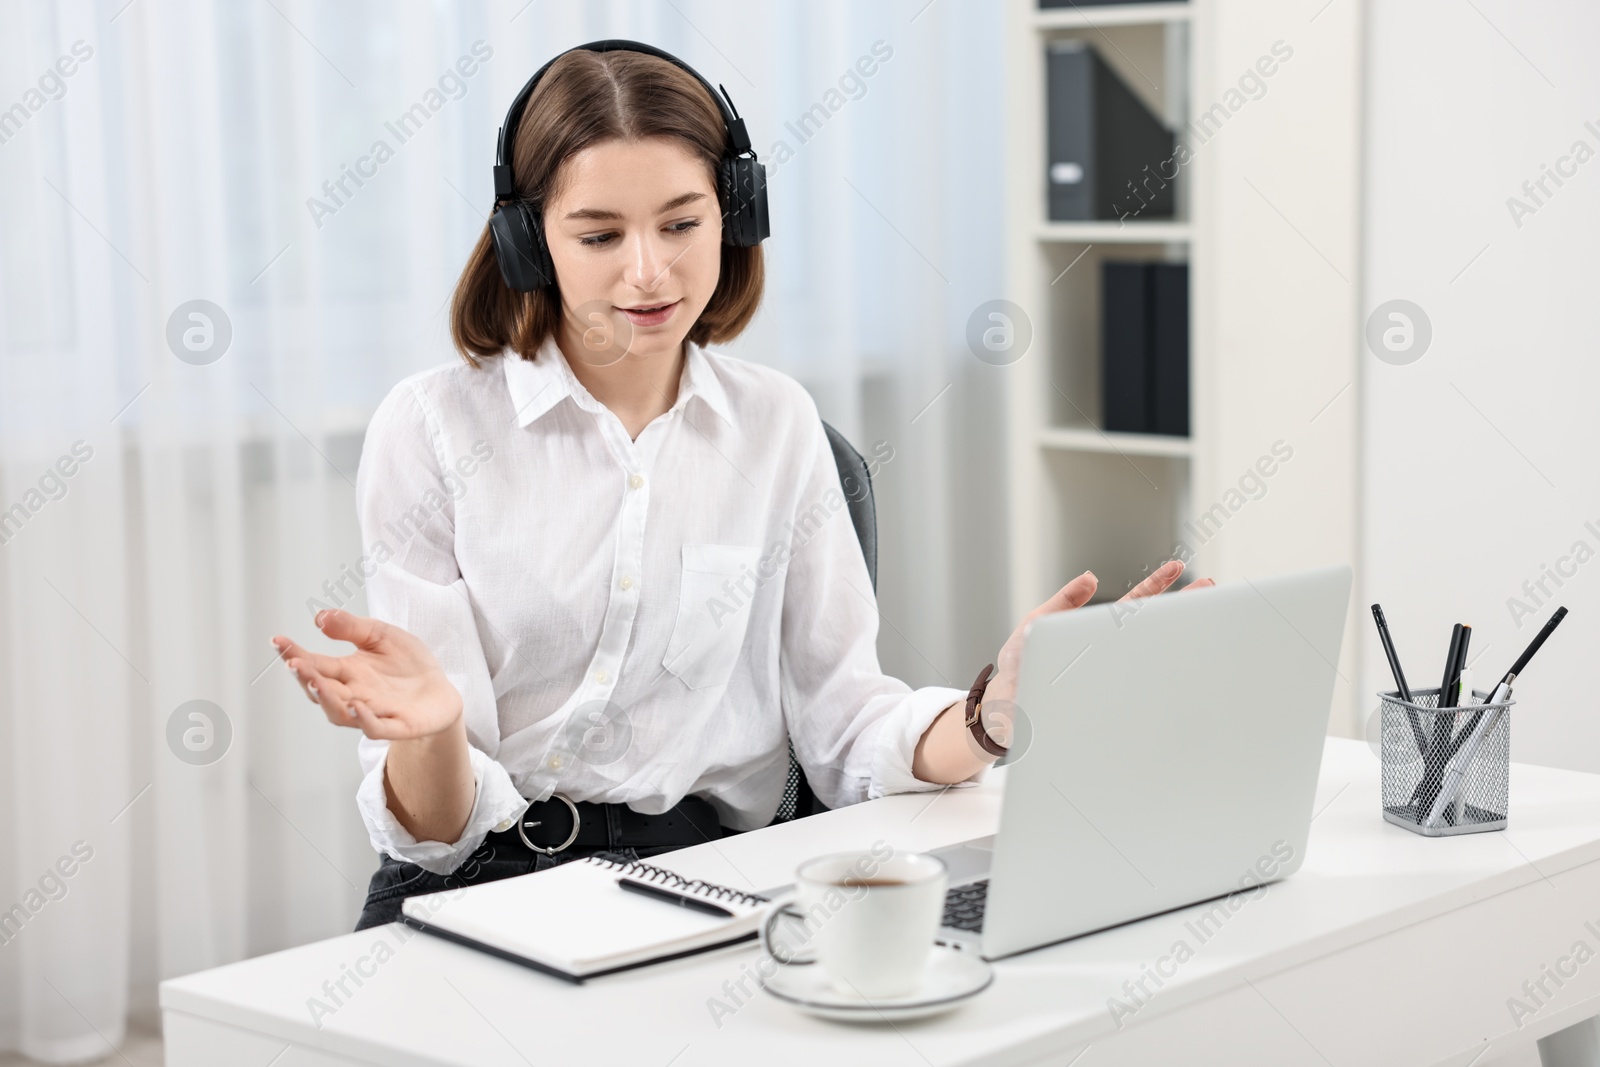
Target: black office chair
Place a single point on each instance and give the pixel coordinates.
(856, 479)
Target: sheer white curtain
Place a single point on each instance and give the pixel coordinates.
(199, 307)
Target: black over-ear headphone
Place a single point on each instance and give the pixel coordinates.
(516, 226)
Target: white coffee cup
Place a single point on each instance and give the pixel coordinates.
(871, 917)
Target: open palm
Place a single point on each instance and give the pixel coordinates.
(1002, 688)
(391, 687)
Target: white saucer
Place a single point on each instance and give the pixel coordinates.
(952, 977)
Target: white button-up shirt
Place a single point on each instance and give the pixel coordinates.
(630, 620)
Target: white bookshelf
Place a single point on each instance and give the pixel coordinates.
(1121, 233)
(1125, 444)
(1274, 333)
(1083, 497)
(1075, 18)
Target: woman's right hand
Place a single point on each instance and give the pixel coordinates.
(391, 687)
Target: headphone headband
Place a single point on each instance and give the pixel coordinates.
(515, 225)
(504, 185)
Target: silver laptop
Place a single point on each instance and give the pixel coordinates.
(1174, 752)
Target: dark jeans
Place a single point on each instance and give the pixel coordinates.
(501, 855)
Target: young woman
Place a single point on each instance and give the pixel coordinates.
(611, 576)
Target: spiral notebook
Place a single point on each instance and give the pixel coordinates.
(574, 921)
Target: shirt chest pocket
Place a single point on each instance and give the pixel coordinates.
(713, 613)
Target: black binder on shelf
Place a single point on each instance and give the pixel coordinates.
(1106, 149)
(1169, 348)
(1125, 347)
(1144, 347)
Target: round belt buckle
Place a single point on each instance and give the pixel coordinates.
(523, 833)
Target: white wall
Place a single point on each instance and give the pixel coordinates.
(1479, 457)
(1277, 298)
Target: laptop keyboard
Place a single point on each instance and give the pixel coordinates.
(963, 905)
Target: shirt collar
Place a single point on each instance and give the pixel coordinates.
(537, 386)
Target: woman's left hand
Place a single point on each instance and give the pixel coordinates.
(999, 695)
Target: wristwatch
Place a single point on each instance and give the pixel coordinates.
(974, 710)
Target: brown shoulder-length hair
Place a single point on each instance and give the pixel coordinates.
(585, 98)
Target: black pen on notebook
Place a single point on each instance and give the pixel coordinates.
(670, 897)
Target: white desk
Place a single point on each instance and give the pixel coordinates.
(1385, 948)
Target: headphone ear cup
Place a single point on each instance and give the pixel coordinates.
(742, 190)
(519, 247)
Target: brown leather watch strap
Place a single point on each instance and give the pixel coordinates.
(974, 721)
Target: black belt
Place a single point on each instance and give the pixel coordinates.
(553, 825)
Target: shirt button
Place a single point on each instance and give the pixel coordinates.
(635, 481)
(602, 677)
(554, 763)
(626, 582)
(503, 825)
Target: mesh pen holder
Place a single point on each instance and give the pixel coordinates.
(1446, 771)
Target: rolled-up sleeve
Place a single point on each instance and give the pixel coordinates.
(405, 505)
(855, 729)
